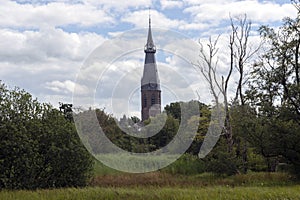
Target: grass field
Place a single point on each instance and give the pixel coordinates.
(161, 185)
(111, 184)
(160, 179)
(209, 193)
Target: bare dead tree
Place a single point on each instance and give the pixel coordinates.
(208, 68)
(241, 51)
(240, 54)
(296, 3)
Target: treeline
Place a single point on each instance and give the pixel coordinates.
(258, 141)
(158, 131)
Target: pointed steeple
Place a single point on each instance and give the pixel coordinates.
(150, 47)
(150, 74)
(150, 84)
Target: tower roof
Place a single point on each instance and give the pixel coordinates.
(150, 79)
(150, 47)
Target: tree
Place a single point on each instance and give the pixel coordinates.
(274, 93)
(240, 53)
(67, 110)
(174, 110)
(39, 148)
(238, 41)
(66, 162)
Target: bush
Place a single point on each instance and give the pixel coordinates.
(39, 148)
(187, 164)
(221, 163)
(256, 162)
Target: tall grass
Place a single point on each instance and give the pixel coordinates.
(187, 164)
(160, 185)
(101, 169)
(161, 179)
(147, 193)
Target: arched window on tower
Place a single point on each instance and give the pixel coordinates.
(145, 100)
(159, 100)
(152, 99)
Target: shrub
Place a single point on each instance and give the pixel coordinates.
(187, 164)
(221, 163)
(39, 148)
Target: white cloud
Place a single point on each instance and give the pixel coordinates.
(208, 14)
(168, 4)
(61, 87)
(199, 2)
(140, 19)
(66, 87)
(194, 26)
(255, 10)
(52, 14)
(46, 45)
(118, 5)
(115, 34)
(43, 62)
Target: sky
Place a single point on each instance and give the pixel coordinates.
(90, 52)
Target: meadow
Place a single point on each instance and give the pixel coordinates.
(209, 192)
(110, 184)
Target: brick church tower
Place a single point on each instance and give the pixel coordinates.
(150, 86)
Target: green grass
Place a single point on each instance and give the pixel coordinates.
(110, 184)
(101, 169)
(186, 164)
(135, 163)
(217, 192)
(161, 179)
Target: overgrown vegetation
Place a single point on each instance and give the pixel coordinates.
(164, 186)
(262, 121)
(39, 148)
(165, 179)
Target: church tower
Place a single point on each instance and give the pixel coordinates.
(150, 86)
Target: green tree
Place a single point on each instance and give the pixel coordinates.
(274, 93)
(174, 110)
(39, 148)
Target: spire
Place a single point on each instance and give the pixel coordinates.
(150, 74)
(150, 86)
(150, 47)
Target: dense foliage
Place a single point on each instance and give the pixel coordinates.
(39, 148)
(163, 127)
(266, 125)
(274, 93)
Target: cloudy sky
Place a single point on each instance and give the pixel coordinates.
(48, 47)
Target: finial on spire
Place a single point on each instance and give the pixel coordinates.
(149, 16)
(150, 47)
